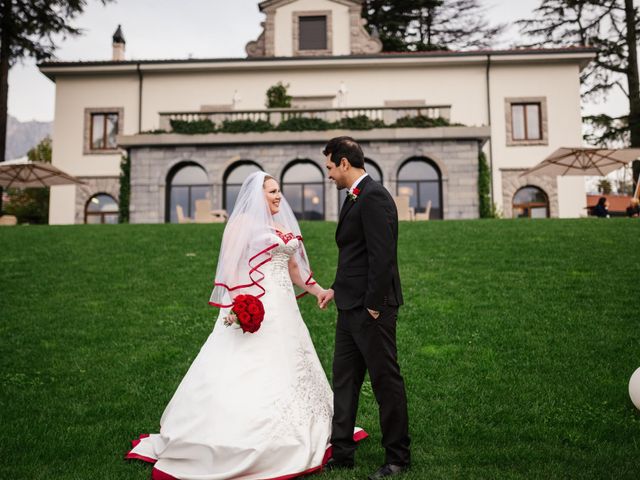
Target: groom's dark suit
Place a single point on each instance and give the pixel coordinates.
(367, 277)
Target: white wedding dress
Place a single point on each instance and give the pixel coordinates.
(251, 406)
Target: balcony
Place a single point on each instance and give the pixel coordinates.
(383, 116)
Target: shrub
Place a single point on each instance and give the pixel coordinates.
(420, 121)
(193, 127)
(298, 124)
(240, 126)
(361, 122)
(277, 96)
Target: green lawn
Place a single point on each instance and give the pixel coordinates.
(517, 341)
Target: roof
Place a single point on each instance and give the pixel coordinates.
(581, 55)
(277, 3)
(617, 203)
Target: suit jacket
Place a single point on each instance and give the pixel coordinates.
(367, 238)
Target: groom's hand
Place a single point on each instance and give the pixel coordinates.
(374, 313)
(325, 297)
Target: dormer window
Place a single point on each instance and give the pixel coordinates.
(313, 33)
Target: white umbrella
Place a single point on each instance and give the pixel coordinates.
(24, 173)
(585, 161)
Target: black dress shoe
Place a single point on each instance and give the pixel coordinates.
(388, 470)
(333, 464)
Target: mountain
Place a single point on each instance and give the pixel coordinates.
(22, 136)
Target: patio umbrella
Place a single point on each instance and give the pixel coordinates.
(24, 173)
(585, 161)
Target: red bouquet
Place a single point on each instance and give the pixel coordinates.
(247, 311)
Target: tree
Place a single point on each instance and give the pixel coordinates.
(604, 186)
(27, 29)
(611, 27)
(421, 25)
(31, 205)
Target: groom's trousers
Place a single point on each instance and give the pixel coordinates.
(364, 343)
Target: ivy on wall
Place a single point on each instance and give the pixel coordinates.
(487, 209)
(125, 189)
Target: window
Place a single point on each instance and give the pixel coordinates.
(530, 202)
(235, 175)
(104, 129)
(186, 183)
(526, 121)
(420, 180)
(303, 187)
(313, 32)
(525, 118)
(101, 208)
(101, 129)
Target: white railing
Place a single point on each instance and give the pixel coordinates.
(275, 116)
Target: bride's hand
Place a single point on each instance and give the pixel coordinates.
(325, 297)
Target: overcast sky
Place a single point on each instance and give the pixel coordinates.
(156, 29)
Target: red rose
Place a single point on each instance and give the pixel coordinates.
(253, 309)
(356, 191)
(249, 311)
(239, 307)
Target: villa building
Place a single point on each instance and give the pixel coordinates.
(516, 106)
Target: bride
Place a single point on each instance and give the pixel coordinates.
(252, 405)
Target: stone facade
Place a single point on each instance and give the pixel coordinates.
(513, 180)
(151, 165)
(360, 40)
(92, 186)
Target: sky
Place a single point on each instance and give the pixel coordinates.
(160, 29)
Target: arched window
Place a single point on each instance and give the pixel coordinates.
(530, 202)
(101, 208)
(374, 172)
(420, 179)
(233, 178)
(186, 183)
(302, 185)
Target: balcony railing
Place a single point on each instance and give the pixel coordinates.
(275, 116)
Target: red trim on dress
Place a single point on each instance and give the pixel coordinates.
(160, 475)
(286, 238)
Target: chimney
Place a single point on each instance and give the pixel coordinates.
(118, 45)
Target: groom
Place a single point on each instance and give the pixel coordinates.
(367, 293)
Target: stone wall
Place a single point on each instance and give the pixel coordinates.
(91, 187)
(150, 166)
(513, 180)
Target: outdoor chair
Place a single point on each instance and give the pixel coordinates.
(181, 217)
(220, 215)
(426, 214)
(405, 212)
(8, 220)
(204, 213)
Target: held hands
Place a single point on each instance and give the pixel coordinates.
(324, 297)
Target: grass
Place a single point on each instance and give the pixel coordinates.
(517, 341)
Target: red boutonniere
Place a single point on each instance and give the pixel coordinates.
(353, 196)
